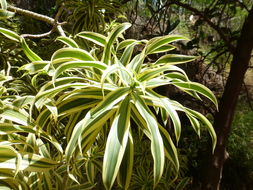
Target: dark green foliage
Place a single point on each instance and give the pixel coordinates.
(238, 170)
(90, 15)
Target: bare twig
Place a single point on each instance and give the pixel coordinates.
(38, 35)
(31, 14)
(54, 22)
(206, 19)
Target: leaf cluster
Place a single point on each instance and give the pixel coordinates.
(80, 121)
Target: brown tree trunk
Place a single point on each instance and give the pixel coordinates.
(224, 118)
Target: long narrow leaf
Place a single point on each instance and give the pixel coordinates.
(93, 117)
(15, 115)
(157, 147)
(73, 53)
(3, 4)
(68, 41)
(206, 123)
(199, 88)
(116, 143)
(174, 59)
(4, 14)
(153, 72)
(35, 67)
(32, 56)
(30, 162)
(126, 167)
(111, 39)
(158, 42)
(10, 34)
(78, 64)
(168, 106)
(96, 38)
(169, 147)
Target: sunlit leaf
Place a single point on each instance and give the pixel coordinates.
(68, 41)
(32, 56)
(158, 42)
(157, 147)
(96, 38)
(111, 39)
(10, 34)
(116, 143)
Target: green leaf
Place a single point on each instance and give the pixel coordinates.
(23, 101)
(125, 43)
(68, 41)
(74, 105)
(90, 171)
(182, 184)
(83, 186)
(199, 88)
(116, 143)
(165, 103)
(153, 72)
(156, 43)
(29, 162)
(10, 34)
(157, 147)
(94, 119)
(174, 117)
(43, 95)
(96, 38)
(7, 128)
(79, 64)
(15, 115)
(60, 82)
(52, 108)
(126, 167)
(174, 59)
(73, 53)
(137, 62)
(47, 181)
(194, 123)
(169, 147)
(112, 70)
(29, 53)
(127, 54)
(35, 67)
(111, 39)
(3, 4)
(206, 123)
(156, 82)
(4, 14)
(164, 48)
(72, 121)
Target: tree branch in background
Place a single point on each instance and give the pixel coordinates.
(57, 26)
(206, 19)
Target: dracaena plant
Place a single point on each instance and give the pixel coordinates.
(92, 15)
(94, 102)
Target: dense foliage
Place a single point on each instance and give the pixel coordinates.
(79, 98)
(85, 110)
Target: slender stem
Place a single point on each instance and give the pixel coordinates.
(31, 14)
(54, 22)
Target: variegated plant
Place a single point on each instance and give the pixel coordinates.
(91, 106)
